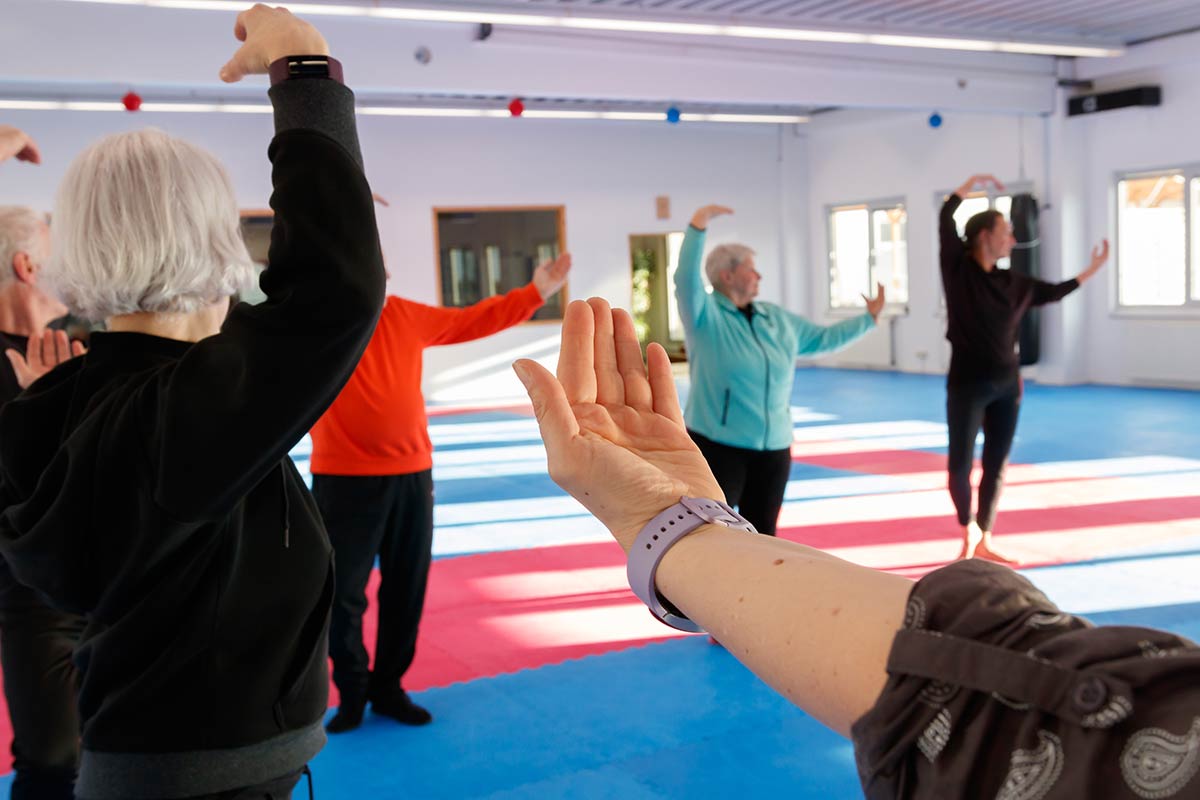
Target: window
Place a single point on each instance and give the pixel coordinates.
(868, 244)
(484, 252)
(1152, 238)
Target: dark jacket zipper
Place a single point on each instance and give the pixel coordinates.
(725, 409)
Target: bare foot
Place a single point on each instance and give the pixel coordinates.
(985, 550)
(972, 538)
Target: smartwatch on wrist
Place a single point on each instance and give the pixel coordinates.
(293, 67)
(658, 536)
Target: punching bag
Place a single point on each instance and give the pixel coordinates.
(1027, 260)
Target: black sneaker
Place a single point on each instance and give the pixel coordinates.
(399, 707)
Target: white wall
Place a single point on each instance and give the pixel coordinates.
(1125, 349)
(606, 174)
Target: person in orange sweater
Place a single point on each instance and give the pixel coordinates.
(372, 466)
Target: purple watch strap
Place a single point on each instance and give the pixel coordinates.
(658, 536)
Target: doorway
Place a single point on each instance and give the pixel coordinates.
(654, 257)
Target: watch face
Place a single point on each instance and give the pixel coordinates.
(308, 67)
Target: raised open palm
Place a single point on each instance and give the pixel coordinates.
(613, 430)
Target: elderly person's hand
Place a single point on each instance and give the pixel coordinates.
(15, 142)
(270, 34)
(703, 215)
(614, 432)
(550, 277)
(876, 304)
(44, 352)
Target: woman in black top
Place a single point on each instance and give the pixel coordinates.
(984, 307)
(147, 484)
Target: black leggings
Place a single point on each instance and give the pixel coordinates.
(753, 480)
(994, 405)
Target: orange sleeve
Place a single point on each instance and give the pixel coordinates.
(440, 325)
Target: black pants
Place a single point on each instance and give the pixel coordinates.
(390, 516)
(41, 685)
(994, 405)
(753, 480)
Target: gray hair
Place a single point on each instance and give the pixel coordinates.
(146, 222)
(723, 257)
(21, 231)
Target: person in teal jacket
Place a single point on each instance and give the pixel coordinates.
(742, 360)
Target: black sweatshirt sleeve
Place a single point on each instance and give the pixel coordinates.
(952, 247)
(235, 404)
(1044, 292)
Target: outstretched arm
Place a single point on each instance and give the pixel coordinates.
(689, 285)
(815, 627)
(1044, 292)
(275, 367)
(442, 325)
(813, 339)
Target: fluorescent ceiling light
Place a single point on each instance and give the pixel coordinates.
(645, 26)
(632, 116)
(795, 34)
(393, 111)
(93, 106)
(774, 119)
(641, 26)
(535, 114)
(933, 42)
(30, 105)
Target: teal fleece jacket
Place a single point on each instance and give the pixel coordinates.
(743, 369)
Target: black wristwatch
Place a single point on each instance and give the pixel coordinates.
(295, 67)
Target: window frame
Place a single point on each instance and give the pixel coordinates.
(559, 209)
(892, 308)
(1190, 308)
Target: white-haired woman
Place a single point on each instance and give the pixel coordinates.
(147, 483)
(742, 361)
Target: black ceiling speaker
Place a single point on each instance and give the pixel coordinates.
(1107, 101)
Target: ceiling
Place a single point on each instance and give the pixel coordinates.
(1099, 21)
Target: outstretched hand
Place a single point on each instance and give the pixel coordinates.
(704, 215)
(270, 34)
(875, 305)
(550, 277)
(14, 142)
(44, 352)
(613, 430)
(1099, 258)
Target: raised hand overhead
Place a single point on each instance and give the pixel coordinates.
(270, 34)
(981, 181)
(703, 215)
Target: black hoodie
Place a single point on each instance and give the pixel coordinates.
(147, 485)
